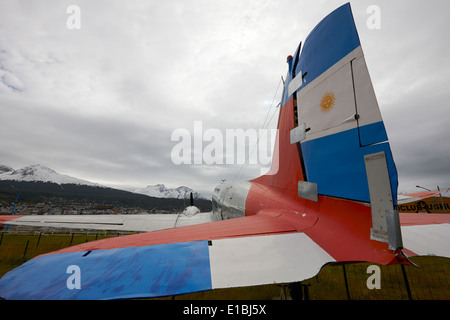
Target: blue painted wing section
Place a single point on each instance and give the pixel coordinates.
(135, 272)
(336, 164)
(330, 41)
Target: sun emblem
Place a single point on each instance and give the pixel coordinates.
(327, 101)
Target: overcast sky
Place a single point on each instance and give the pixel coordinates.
(101, 102)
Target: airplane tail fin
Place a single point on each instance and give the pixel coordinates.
(330, 128)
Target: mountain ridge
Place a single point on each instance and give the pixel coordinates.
(68, 197)
(161, 191)
(41, 173)
(37, 172)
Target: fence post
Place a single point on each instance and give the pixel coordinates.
(39, 239)
(346, 282)
(26, 248)
(405, 278)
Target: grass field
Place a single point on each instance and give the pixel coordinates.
(334, 282)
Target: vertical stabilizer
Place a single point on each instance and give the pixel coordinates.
(335, 119)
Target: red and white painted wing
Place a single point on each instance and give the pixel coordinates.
(260, 249)
(127, 222)
(426, 234)
(4, 219)
(419, 195)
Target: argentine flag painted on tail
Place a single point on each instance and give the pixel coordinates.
(335, 100)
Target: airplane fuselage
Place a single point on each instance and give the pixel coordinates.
(228, 200)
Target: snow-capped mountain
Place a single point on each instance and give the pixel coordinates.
(161, 191)
(42, 173)
(39, 172)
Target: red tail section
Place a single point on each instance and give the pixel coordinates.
(286, 169)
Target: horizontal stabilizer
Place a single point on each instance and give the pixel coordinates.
(149, 265)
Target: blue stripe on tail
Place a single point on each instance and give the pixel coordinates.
(330, 41)
(336, 163)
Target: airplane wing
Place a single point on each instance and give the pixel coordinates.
(426, 234)
(273, 246)
(261, 249)
(126, 222)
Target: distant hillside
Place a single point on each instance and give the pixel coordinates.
(37, 183)
(38, 191)
(161, 191)
(37, 172)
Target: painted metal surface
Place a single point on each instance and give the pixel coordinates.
(424, 240)
(4, 219)
(339, 106)
(266, 222)
(336, 164)
(228, 200)
(131, 222)
(414, 219)
(327, 104)
(298, 133)
(286, 169)
(332, 38)
(380, 195)
(133, 272)
(176, 268)
(265, 260)
(308, 190)
(419, 195)
(150, 264)
(337, 102)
